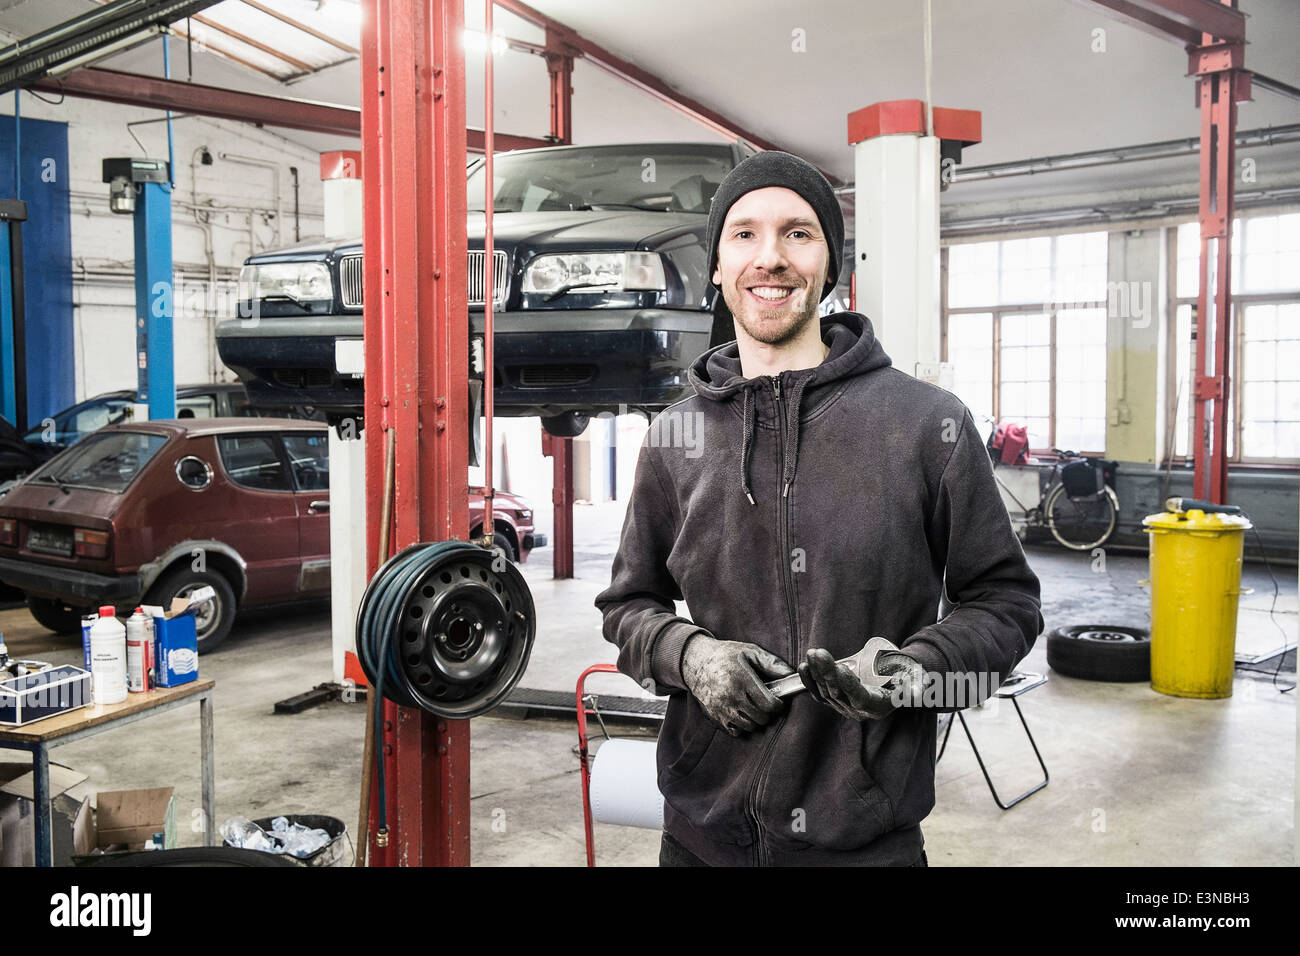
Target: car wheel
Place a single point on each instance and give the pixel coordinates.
(212, 619)
(499, 540)
(55, 615)
(567, 425)
(1101, 652)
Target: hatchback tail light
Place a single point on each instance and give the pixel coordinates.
(90, 544)
(8, 532)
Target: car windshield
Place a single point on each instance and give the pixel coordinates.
(107, 462)
(656, 178)
(73, 424)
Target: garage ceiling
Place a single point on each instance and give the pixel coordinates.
(1028, 65)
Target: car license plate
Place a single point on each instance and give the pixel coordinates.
(50, 541)
(350, 357)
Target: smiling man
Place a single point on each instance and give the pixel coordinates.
(832, 498)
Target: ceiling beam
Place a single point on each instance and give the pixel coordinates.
(298, 24)
(1183, 21)
(151, 92)
(302, 65)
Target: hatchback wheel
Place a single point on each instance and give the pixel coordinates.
(500, 541)
(212, 619)
(55, 615)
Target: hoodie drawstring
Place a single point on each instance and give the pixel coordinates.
(747, 443)
(792, 437)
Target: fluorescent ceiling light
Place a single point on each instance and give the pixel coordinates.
(477, 40)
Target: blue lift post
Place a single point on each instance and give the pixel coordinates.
(13, 352)
(141, 187)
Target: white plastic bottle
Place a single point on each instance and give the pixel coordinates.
(108, 657)
(137, 653)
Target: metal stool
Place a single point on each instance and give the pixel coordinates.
(1011, 688)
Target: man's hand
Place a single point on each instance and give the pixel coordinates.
(728, 679)
(836, 686)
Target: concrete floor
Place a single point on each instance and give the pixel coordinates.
(1137, 778)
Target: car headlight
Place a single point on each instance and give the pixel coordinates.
(598, 271)
(296, 281)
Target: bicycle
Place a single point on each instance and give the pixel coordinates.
(1079, 506)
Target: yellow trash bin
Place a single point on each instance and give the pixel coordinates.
(1195, 583)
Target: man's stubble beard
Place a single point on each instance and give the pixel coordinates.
(777, 336)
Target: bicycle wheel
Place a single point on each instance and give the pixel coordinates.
(1082, 523)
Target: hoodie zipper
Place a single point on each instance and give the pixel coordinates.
(787, 592)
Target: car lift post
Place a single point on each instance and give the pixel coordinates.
(416, 343)
(143, 187)
(341, 187)
(13, 326)
(559, 63)
(1220, 84)
(1214, 35)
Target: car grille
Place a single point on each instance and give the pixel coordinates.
(555, 376)
(350, 281)
(475, 268)
(351, 278)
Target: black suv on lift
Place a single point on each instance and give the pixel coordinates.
(601, 297)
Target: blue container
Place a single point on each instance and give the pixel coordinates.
(86, 623)
(178, 649)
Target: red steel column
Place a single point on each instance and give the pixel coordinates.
(559, 63)
(1222, 82)
(560, 450)
(416, 342)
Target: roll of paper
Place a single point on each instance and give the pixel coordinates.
(624, 787)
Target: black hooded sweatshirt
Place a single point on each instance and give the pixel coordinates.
(817, 508)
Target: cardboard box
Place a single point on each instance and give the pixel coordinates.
(46, 693)
(18, 816)
(127, 819)
(121, 821)
(176, 646)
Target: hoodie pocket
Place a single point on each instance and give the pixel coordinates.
(823, 794)
(697, 740)
(705, 773)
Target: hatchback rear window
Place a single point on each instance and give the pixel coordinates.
(104, 462)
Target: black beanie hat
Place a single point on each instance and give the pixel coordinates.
(775, 168)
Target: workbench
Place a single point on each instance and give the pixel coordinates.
(38, 737)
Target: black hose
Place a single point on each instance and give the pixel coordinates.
(377, 621)
(466, 624)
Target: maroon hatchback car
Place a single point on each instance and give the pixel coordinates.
(144, 512)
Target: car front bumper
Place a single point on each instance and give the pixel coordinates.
(78, 588)
(547, 361)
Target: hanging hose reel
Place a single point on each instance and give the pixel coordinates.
(447, 627)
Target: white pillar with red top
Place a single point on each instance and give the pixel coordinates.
(340, 172)
(897, 170)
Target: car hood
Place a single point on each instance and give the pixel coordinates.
(576, 228)
(600, 227)
(500, 501)
(32, 501)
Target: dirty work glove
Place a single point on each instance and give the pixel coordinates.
(838, 687)
(728, 679)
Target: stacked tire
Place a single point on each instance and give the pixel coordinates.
(1101, 652)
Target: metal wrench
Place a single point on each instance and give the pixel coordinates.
(863, 663)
